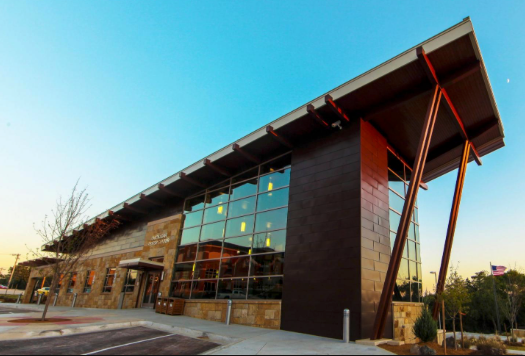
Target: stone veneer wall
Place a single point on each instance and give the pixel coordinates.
(100, 262)
(261, 314)
(405, 315)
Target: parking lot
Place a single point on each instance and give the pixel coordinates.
(133, 341)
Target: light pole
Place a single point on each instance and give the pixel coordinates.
(439, 316)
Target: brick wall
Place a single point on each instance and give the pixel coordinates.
(405, 316)
(375, 234)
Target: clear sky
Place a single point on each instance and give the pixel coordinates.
(125, 93)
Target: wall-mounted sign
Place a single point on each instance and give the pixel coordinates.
(160, 239)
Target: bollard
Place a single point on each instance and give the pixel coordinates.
(229, 312)
(39, 299)
(74, 300)
(56, 299)
(19, 298)
(346, 326)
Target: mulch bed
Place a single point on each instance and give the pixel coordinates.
(405, 349)
(38, 321)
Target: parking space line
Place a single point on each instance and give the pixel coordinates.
(131, 343)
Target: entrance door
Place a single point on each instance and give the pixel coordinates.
(151, 290)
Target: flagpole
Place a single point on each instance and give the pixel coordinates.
(495, 297)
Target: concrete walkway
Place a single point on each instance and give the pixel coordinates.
(235, 339)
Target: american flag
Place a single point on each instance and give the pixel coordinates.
(498, 270)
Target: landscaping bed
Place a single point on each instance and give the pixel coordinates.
(405, 349)
(8, 298)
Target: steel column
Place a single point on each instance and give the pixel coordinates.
(408, 210)
(452, 224)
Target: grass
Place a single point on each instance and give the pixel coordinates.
(8, 298)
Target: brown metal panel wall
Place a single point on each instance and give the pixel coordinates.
(323, 250)
(375, 234)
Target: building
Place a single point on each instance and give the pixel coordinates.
(299, 220)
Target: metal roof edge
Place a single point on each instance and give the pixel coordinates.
(447, 36)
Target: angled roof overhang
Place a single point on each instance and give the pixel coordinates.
(40, 262)
(141, 264)
(393, 97)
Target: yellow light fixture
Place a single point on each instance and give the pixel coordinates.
(250, 252)
(243, 227)
(194, 267)
(270, 186)
(220, 210)
(268, 242)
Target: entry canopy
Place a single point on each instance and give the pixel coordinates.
(141, 264)
(393, 97)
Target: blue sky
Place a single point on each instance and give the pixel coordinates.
(123, 94)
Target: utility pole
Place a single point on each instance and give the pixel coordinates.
(495, 297)
(13, 272)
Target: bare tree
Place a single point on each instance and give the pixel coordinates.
(456, 297)
(63, 245)
(515, 292)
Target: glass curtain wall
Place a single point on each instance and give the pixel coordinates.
(409, 280)
(234, 237)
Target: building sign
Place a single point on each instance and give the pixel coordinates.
(160, 239)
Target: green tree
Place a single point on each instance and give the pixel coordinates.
(482, 310)
(514, 289)
(456, 297)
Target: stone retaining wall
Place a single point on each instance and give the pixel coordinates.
(261, 314)
(405, 315)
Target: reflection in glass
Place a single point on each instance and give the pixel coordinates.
(233, 289)
(415, 292)
(242, 207)
(272, 200)
(204, 290)
(190, 235)
(244, 189)
(181, 290)
(396, 202)
(193, 219)
(194, 204)
(267, 265)
(274, 241)
(412, 250)
(206, 269)
(246, 175)
(217, 197)
(239, 246)
(413, 271)
(402, 291)
(186, 253)
(395, 219)
(209, 250)
(271, 220)
(184, 271)
(419, 273)
(212, 231)
(239, 226)
(266, 288)
(215, 214)
(392, 240)
(235, 267)
(403, 270)
(412, 232)
(274, 181)
(275, 165)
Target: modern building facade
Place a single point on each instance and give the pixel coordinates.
(299, 220)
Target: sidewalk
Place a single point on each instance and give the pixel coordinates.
(236, 339)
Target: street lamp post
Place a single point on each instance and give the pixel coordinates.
(439, 316)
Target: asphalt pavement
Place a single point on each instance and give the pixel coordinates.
(132, 341)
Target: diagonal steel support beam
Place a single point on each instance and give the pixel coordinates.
(217, 168)
(336, 109)
(454, 213)
(408, 210)
(270, 131)
(246, 154)
(433, 78)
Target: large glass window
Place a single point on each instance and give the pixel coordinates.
(90, 280)
(408, 287)
(72, 282)
(234, 238)
(129, 283)
(110, 280)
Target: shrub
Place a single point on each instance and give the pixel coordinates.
(425, 327)
(470, 341)
(492, 346)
